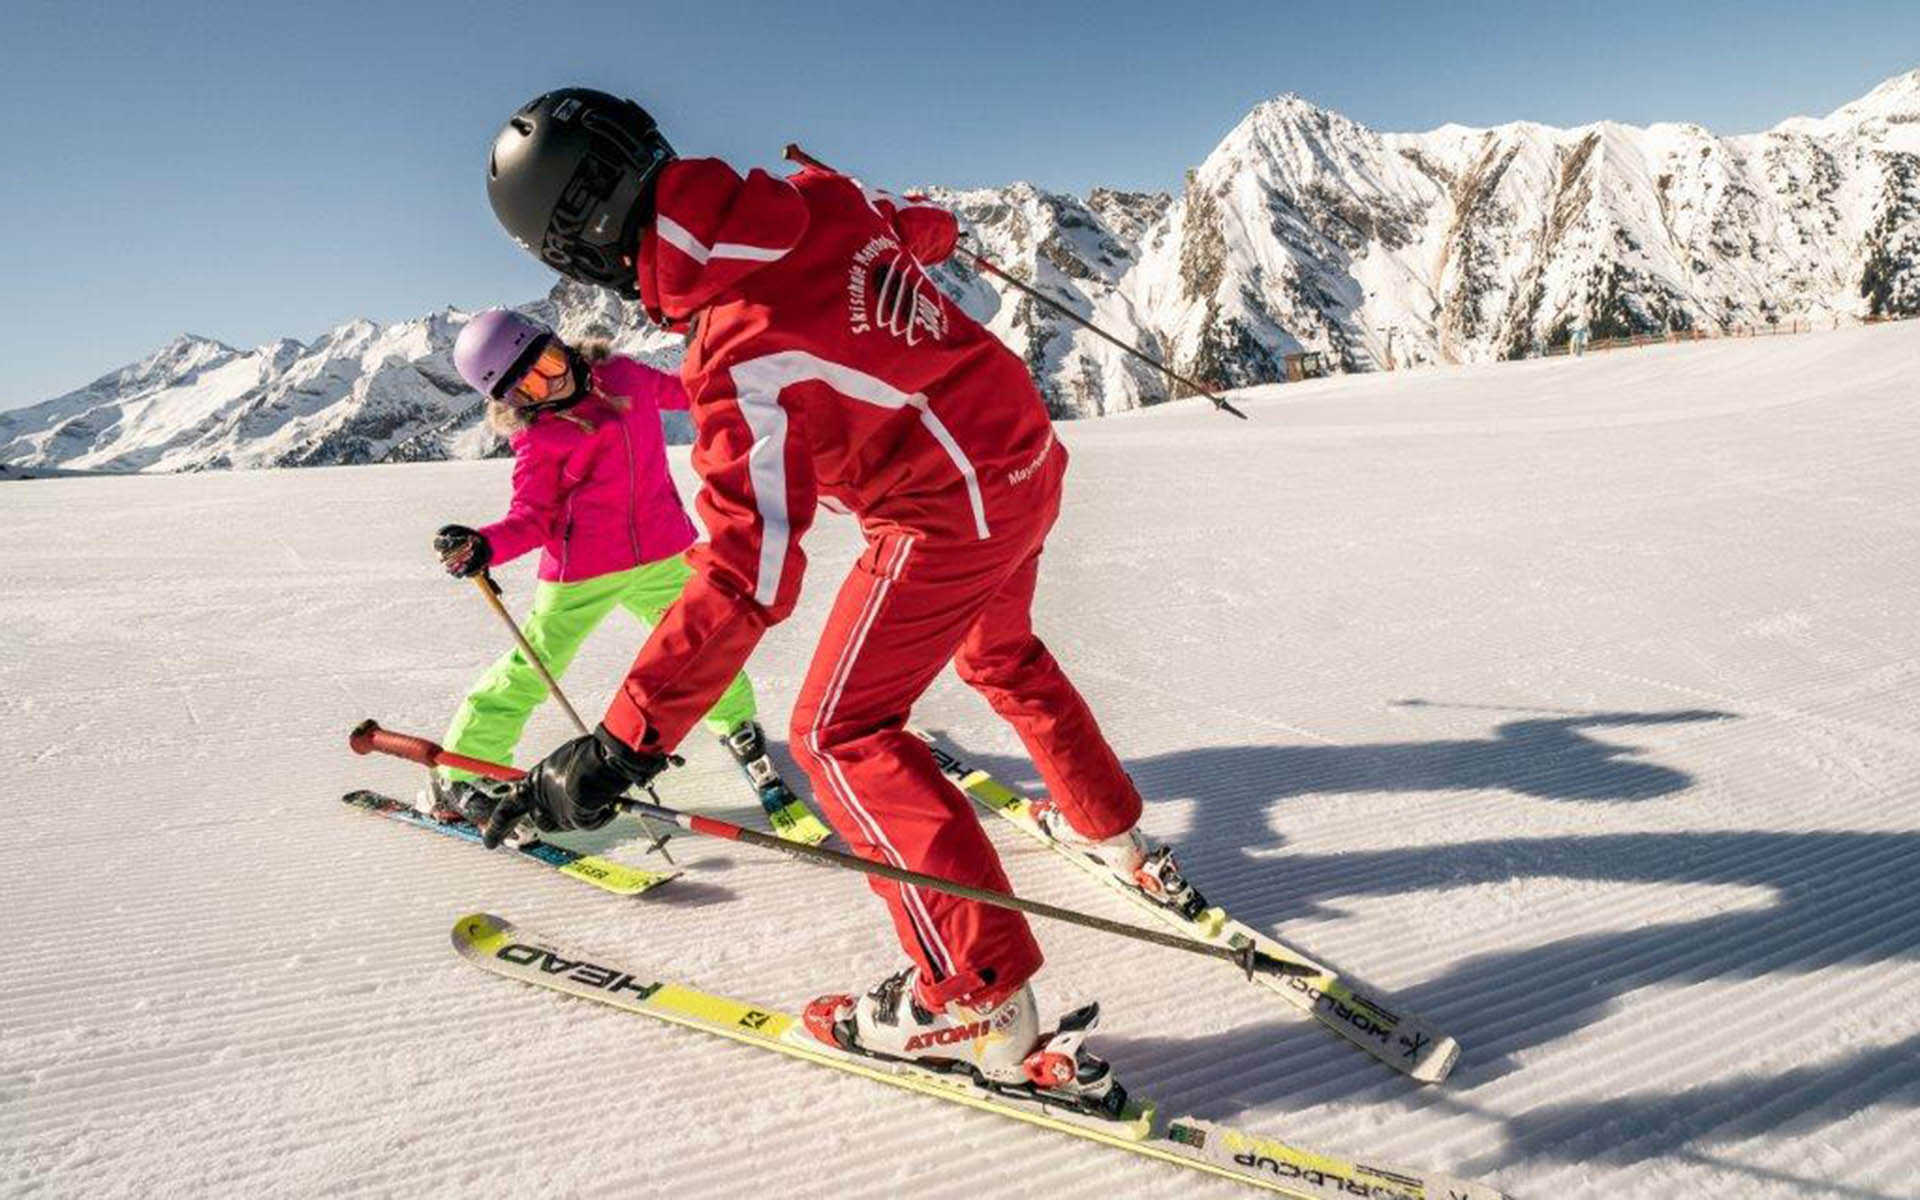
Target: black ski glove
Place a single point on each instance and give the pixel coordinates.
(578, 786)
(463, 552)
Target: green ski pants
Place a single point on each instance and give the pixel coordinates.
(489, 722)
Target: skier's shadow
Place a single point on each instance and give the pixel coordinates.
(1809, 901)
(1233, 788)
(1634, 1129)
(1547, 758)
(1283, 1066)
(1821, 901)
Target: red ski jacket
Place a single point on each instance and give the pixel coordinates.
(822, 363)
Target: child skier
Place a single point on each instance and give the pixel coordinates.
(591, 489)
(824, 365)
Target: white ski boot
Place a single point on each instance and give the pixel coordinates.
(1000, 1047)
(453, 801)
(441, 799)
(1149, 870)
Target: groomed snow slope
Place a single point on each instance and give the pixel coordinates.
(1570, 700)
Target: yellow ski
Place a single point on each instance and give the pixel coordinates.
(603, 873)
(496, 945)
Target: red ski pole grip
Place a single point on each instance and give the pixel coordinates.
(368, 738)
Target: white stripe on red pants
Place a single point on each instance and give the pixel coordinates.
(908, 606)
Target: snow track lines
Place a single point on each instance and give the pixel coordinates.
(1571, 702)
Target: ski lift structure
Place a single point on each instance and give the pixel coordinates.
(1307, 364)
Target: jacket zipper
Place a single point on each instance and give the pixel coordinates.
(633, 533)
(566, 537)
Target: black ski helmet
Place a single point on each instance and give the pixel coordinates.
(571, 178)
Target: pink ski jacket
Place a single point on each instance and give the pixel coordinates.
(590, 483)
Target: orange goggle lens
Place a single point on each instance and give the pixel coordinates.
(543, 376)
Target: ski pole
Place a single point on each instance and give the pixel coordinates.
(988, 265)
(368, 738)
(491, 590)
(795, 154)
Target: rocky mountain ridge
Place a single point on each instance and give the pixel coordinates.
(1301, 230)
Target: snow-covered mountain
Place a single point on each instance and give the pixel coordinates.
(362, 393)
(1078, 252)
(1302, 230)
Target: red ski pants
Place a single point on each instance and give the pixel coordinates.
(911, 604)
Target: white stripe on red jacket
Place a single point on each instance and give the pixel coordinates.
(822, 363)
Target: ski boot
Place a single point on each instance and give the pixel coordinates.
(1148, 870)
(792, 821)
(451, 801)
(442, 799)
(999, 1047)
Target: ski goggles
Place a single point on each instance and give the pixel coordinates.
(542, 376)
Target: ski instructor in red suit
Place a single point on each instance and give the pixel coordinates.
(824, 366)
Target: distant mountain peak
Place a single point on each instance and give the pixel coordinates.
(1290, 111)
(1896, 99)
(181, 341)
(185, 355)
(1291, 104)
(187, 348)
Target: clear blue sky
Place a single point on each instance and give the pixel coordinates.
(255, 170)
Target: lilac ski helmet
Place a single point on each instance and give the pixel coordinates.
(496, 348)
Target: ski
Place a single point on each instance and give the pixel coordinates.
(1345, 1007)
(494, 944)
(603, 873)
